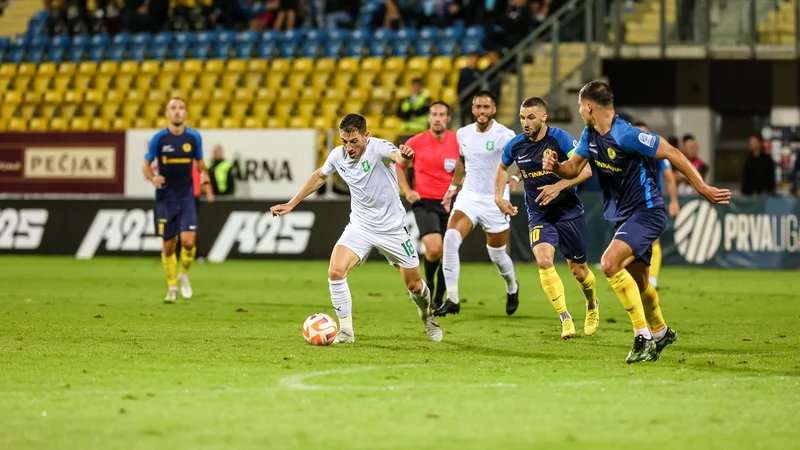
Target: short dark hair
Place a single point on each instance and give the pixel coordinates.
(532, 102)
(673, 141)
(688, 137)
(640, 123)
(598, 92)
(352, 123)
(485, 93)
(418, 81)
(757, 136)
(439, 102)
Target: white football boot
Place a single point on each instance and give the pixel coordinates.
(431, 325)
(186, 287)
(172, 294)
(344, 336)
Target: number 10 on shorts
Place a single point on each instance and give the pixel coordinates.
(408, 248)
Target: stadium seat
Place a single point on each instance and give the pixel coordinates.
(471, 45)
(153, 109)
(98, 124)
(288, 49)
(215, 110)
(38, 124)
(442, 63)
(401, 48)
(200, 51)
(119, 124)
(238, 66)
(429, 33)
(424, 48)
(324, 65)
(453, 33)
(136, 53)
(115, 53)
(244, 50)
(392, 123)
(266, 50)
(320, 81)
(357, 48)
(230, 81)
(337, 35)
(78, 124)
(222, 50)
(178, 52)
(379, 48)
(16, 124)
(330, 108)
(160, 52)
(303, 65)
(334, 48)
(261, 108)
(276, 122)
(296, 81)
(292, 36)
(187, 81)
(4, 83)
(253, 80)
(100, 40)
(140, 122)
(8, 70)
(406, 34)
(322, 123)
(231, 123)
(253, 122)
(342, 80)
(475, 32)
(287, 94)
(166, 38)
(257, 65)
(199, 96)
(281, 65)
(214, 66)
(193, 66)
(311, 50)
(55, 54)
(298, 122)
(223, 95)
(58, 124)
(450, 95)
(306, 108)
(283, 109)
(371, 64)
(349, 65)
(275, 80)
(238, 109)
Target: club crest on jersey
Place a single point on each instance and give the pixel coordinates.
(365, 166)
(611, 153)
(490, 145)
(547, 152)
(449, 165)
(187, 147)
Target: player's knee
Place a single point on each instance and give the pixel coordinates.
(433, 252)
(544, 263)
(168, 247)
(335, 273)
(187, 242)
(609, 266)
(452, 240)
(414, 286)
(580, 271)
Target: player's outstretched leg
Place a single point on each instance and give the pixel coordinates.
(553, 287)
(662, 334)
(170, 263)
(421, 296)
(342, 261)
(587, 281)
(616, 257)
(188, 251)
(451, 265)
(655, 263)
(433, 255)
(496, 247)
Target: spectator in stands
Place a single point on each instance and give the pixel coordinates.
(341, 13)
(231, 13)
(414, 108)
(466, 77)
(692, 151)
(489, 13)
(220, 174)
(540, 10)
(438, 13)
(518, 23)
(758, 176)
(288, 14)
(145, 15)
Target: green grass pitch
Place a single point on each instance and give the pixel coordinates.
(91, 358)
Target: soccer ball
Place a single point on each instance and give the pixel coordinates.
(320, 329)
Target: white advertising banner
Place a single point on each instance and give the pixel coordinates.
(267, 164)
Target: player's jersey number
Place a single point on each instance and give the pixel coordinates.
(408, 248)
(535, 233)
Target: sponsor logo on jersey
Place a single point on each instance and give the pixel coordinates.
(167, 149)
(612, 153)
(187, 147)
(490, 145)
(22, 229)
(547, 152)
(255, 233)
(449, 165)
(365, 166)
(607, 166)
(122, 230)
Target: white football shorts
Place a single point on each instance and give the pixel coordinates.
(483, 211)
(395, 245)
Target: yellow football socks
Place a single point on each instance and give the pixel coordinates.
(655, 260)
(187, 258)
(628, 293)
(589, 288)
(652, 310)
(553, 289)
(170, 268)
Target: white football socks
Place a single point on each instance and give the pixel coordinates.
(451, 264)
(422, 299)
(505, 266)
(342, 302)
(644, 331)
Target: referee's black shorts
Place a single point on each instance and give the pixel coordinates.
(431, 216)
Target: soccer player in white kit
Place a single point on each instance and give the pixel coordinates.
(481, 145)
(377, 219)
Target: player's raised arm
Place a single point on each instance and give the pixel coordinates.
(550, 192)
(404, 155)
(681, 163)
(314, 182)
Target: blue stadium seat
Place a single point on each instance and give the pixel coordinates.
(226, 36)
(39, 42)
(356, 48)
(222, 50)
(101, 39)
(166, 38)
(455, 33)
(314, 35)
(407, 34)
(401, 48)
(59, 41)
(204, 37)
(5, 42)
(36, 28)
(337, 35)
(76, 54)
(142, 39)
(333, 48)
(116, 53)
(359, 35)
(138, 53)
(311, 49)
(41, 16)
(35, 55)
(200, 51)
(179, 51)
(159, 51)
(429, 33)
(182, 38)
(247, 37)
(447, 47)
(123, 39)
(97, 53)
(475, 32)
(15, 55)
(56, 54)
(266, 50)
(471, 45)
(22, 41)
(288, 49)
(3, 51)
(383, 34)
(244, 50)
(270, 36)
(378, 48)
(292, 36)
(424, 48)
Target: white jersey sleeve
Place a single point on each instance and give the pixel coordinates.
(385, 149)
(482, 153)
(329, 167)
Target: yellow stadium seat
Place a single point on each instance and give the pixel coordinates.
(68, 110)
(394, 64)
(257, 65)
(131, 110)
(373, 120)
(165, 82)
(108, 67)
(418, 63)
(5, 82)
(216, 109)
(276, 122)
(320, 80)
(253, 122)
(102, 81)
(365, 80)
(335, 94)
(87, 68)
(153, 109)
(330, 108)
(161, 122)
(194, 66)
(109, 110)
(129, 67)
(281, 65)
(306, 108)
(298, 122)
(186, 81)
(113, 96)
(443, 63)
(261, 108)
(243, 95)
(37, 124)
(208, 81)
(484, 63)
(350, 65)
(266, 94)
(28, 110)
(310, 93)
(238, 110)
(236, 66)
(32, 97)
(79, 124)
(21, 83)
(287, 94)
(26, 70)
(17, 124)
(275, 80)
(436, 78)
(461, 62)
(372, 64)
(81, 82)
(214, 66)
(321, 123)
(342, 80)
(353, 106)
(8, 70)
(172, 66)
(231, 122)
(41, 83)
(392, 123)
(303, 65)
(144, 81)
(73, 97)
(135, 96)
(150, 67)
(221, 95)
(53, 97)
(450, 96)
(3, 124)
(208, 122)
(120, 124)
(141, 122)
(61, 82)
(158, 96)
(7, 110)
(88, 109)
(296, 81)
(389, 79)
(411, 75)
(59, 124)
(283, 109)
(98, 124)
(123, 81)
(253, 80)
(381, 94)
(325, 65)
(47, 68)
(358, 94)
(230, 81)
(12, 97)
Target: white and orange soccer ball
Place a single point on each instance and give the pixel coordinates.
(320, 329)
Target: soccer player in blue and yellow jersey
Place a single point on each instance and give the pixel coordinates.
(176, 148)
(625, 159)
(555, 213)
(666, 179)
